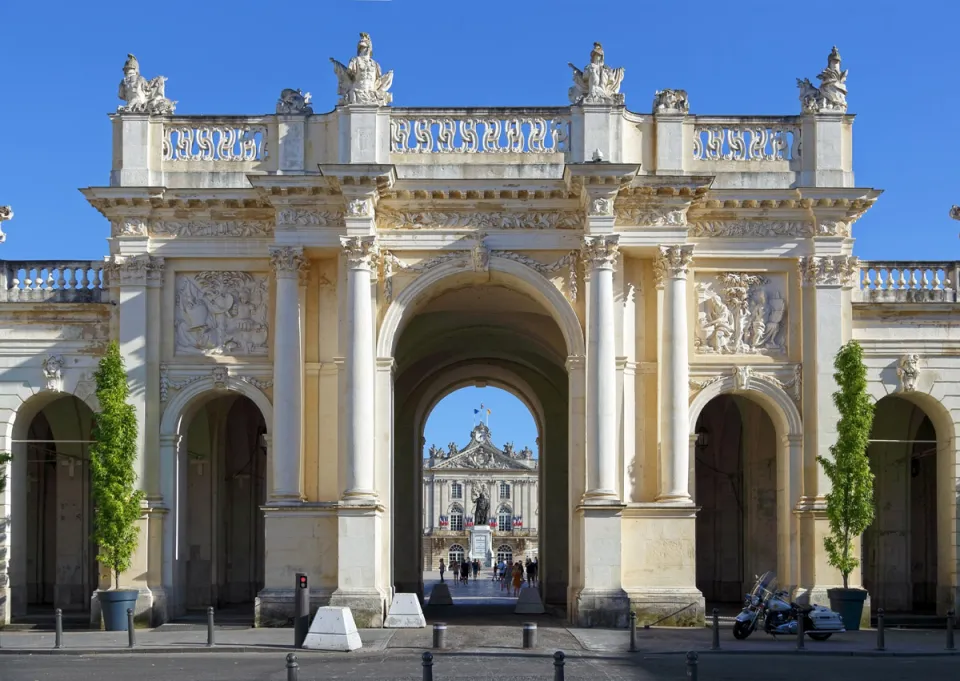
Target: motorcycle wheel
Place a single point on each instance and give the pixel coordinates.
(741, 630)
(821, 636)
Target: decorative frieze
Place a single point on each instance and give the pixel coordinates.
(829, 270)
(740, 313)
(388, 218)
(671, 101)
(129, 226)
(53, 372)
(908, 371)
(361, 81)
(650, 216)
(600, 252)
(672, 262)
(221, 313)
(751, 229)
(210, 228)
(831, 96)
(597, 83)
(293, 217)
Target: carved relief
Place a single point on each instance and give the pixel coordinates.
(597, 83)
(650, 216)
(309, 218)
(740, 313)
(221, 313)
(129, 227)
(359, 208)
(744, 376)
(601, 206)
(672, 263)
(480, 256)
(751, 229)
(142, 95)
(210, 228)
(671, 101)
(832, 93)
(388, 218)
(361, 81)
(53, 372)
(294, 102)
(220, 375)
(829, 270)
(794, 386)
(908, 371)
(568, 261)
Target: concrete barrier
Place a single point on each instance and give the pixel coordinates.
(529, 602)
(441, 595)
(405, 613)
(333, 629)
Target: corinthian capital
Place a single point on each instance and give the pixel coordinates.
(829, 270)
(359, 250)
(600, 252)
(288, 261)
(134, 270)
(672, 263)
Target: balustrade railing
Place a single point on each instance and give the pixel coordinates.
(478, 131)
(745, 139)
(909, 282)
(229, 141)
(52, 281)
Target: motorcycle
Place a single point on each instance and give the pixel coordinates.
(772, 609)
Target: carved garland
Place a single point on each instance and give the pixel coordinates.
(651, 216)
(743, 375)
(219, 374)
(210, 228)
(388, 218)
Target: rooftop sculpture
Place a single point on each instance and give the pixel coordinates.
(597, 83)
(361, 81)
(6, 213)
(142, 95)
(832, 93)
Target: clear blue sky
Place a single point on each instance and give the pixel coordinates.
(453, 419)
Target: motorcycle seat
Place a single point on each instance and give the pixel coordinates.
(802, 608)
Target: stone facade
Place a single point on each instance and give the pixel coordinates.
(454, 478)
(293, 293)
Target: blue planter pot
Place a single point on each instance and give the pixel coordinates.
(848, 603)
(114, 605)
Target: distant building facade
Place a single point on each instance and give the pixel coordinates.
(454, 479)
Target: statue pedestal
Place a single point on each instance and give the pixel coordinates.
(480, 538)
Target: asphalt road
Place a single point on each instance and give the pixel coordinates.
(394, 667)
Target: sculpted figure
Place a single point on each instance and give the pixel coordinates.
(294, 102)
(597, 83)
(716, 323)
(361, 81)
(142, 95)
(832, 93)
(671, 101)
(452, 449)
(6, 213)
(481, 508)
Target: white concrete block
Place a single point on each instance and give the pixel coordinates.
(529, 602)
(333, 629)
(441, 595)
(405, 613)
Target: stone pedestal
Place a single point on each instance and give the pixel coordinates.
(481, 537)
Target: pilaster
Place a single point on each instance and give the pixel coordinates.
(137, 150)
(364, 134)
(596, 133)
(828, 136)
(674, 138)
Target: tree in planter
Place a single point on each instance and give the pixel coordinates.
(850, 502)
(112, 476)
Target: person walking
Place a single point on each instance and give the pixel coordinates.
(455, 572)
(464, 571)
(476, 569)
(517, 578)
(443, 569)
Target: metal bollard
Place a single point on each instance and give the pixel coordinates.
(427, 667)
(439, 635)
(210, 640)
(800, 633)
(715, 645)
(131, 630)
(633, 632)
(529, 635)
(293, 669)
(692, 666)
(880, 642)
(950, 617)
(58, 642)
(558, 666)
(301, 610)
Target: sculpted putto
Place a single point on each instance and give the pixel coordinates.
(361, 81)
(832, 93)
(6, 213)
(294, 102)
(142, 95)
(597, 83)
(671, 101)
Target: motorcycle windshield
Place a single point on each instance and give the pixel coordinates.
(765, 586)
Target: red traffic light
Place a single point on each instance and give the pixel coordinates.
(303, 581)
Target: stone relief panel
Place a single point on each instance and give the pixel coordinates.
(221, 313)
(740, 313)
(388, 218)
(210, 228)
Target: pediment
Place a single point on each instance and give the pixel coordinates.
(481, 457)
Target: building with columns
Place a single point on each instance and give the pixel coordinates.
(453, 481)
(292, 293)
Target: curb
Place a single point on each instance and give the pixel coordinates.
(166, 650)
(806, 652)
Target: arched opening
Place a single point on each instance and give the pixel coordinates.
(477, 475)
(223, 483)
(900, 548)
(53, 558)
(505, 554)
(735, 486)
(455, 555)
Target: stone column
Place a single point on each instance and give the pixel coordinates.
(359, 253)
(600, 254)
(671, 271)
(290, 266)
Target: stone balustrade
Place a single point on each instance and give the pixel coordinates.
(908, 282)
(479, 131)
(52, 281)
(746, 139)
(209, 139)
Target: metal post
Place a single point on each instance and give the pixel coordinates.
(715, 645)
(439, 635)
(293, 669)
(950, 617)
(210, 639)
(529, 635)
(131, 630)
(558, 666)
(58, 643)
(301, 610)
(428, 666)
(880, 642)
(692, 666)
(633, 632)
(800, 632)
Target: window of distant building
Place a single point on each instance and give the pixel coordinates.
(456, 491)
(504, 490)
(505, 520)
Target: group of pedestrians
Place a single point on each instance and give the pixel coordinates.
(512, 576)
(461, 571)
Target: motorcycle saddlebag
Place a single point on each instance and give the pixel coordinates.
(825, 619)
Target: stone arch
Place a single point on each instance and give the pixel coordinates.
(185, 399)
(779, 405)
(502, 270)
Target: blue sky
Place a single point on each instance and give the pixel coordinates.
(453, 419)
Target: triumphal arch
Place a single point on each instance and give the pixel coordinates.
(292, 292)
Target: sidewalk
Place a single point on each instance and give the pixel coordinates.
(488, 640)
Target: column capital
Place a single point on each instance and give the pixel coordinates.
(829, 271)
(134, 270)
(672, 262)
(360, 251)
(601, 251)
(288, 262)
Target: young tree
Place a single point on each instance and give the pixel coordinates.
(112, 476)
(850, 502)
(4, 459)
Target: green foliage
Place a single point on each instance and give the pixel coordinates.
(112, 476)
(4, 459)
(850, 502)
